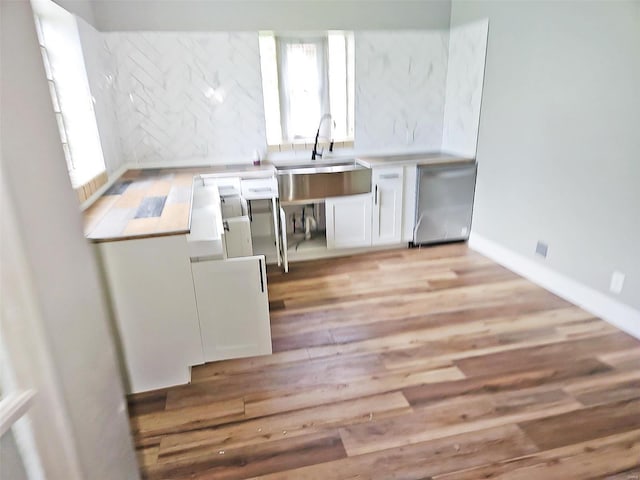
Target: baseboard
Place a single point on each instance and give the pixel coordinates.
(614, 312)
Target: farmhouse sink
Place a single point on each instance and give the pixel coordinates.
(309, 182)
(320, 167)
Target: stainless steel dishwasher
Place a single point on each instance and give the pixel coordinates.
(444, 203)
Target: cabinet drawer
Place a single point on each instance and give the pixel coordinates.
(227, 186)
(259, 188)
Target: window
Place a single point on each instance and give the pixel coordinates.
(303, 78)
(70, 94)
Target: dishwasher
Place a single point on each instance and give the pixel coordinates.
(444, 203)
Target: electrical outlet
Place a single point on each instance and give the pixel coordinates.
(541, 249)
(617, 282)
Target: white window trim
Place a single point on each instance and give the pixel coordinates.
(281, 58)
(70, 93)
(342, 92)
(13, 407)
(35, 405)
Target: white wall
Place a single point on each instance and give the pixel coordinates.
(101, 84)
(400, 80)
(558, 148)
(465, 75)
(81, 8)
(11, 465)
(254, 15)
(61, 263)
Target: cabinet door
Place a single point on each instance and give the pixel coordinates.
(387, 205)
(237, 237)
(348, 221)
(283, 240)
(409, 196)
(151, 292)
(233, 307)
(231, 206)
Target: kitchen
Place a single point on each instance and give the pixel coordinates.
(357, 195)
(398, 144)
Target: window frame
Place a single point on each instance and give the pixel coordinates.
(321, 44)
(71, 97)
(274, 107)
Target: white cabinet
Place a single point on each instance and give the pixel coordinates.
(206, 236)
(237, 237)
(151, 292)
(387, 183)
(409, 207)
(232, 206)
(227, 186)
(233, 307)
(265, 189)
(259, 188)
(284, 245)
(348, 221)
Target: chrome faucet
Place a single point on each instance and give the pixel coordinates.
(314, 152)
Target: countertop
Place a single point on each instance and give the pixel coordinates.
(157, 202)
(414, 158)
(153, 202)
(422, 158)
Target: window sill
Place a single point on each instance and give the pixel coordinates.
(301, 146)
(86, 190)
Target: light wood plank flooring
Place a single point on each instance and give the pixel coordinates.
(407, 364)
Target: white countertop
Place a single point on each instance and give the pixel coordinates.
(414, 158)
(420, 158)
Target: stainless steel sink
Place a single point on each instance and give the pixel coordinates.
(301, 183)
(324, 167)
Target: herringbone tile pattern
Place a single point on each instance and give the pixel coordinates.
(181, 97)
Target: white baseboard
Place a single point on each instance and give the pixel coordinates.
(616, 313)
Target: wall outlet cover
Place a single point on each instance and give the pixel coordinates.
(617, 282)
(542, 249)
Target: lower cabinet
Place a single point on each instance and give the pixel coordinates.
(233, 307)
(348, 221)
(151, 292)
(171, 313)
(237, 237)
(387, 205)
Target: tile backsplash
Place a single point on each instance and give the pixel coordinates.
(467, 52)
(400, 89)
(187, 97)
(192, 98)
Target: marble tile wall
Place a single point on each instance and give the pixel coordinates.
(187, 97)
(467, 51)
(400, 90)
(172, 98)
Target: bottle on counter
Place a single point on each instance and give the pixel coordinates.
(256, 157)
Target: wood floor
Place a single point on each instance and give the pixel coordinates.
(407, 364)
